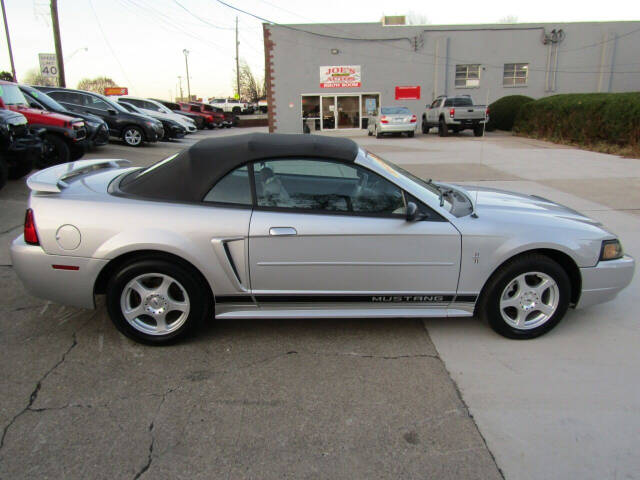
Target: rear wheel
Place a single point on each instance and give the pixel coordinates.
(478, 130)
(133, 136)
(55, 151)
(527, 297)
(77, 151)
(443, 129)
(157, 302)
(378, 134)
(411, 134)
(20, 166)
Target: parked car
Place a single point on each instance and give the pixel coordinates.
(197, 118)
(232, 105)
(158, 111)
(455, 114)
(64, 134)
(20, 147)
(171, 128)
(304, 225)
(231, 119)
(392, 120)
(219, 118)
(209, 120)
(263, 105)
(97, 129)
(131, 128)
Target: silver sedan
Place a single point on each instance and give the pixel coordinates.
(392, 120)
(291, 226)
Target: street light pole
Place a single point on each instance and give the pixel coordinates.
(237, 63)
(186, 63)
(6, 31)
(180, 81)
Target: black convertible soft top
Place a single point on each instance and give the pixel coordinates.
(189, 176)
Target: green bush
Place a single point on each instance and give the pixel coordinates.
(584, 118)
(502, 112)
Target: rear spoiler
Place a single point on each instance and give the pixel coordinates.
(53, 179)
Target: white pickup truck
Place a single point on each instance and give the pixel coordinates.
(231, 105)
(455, 114)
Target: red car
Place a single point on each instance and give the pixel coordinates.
(209, 121)
(218, 117)
(64, 137)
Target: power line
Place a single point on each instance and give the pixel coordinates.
(200, 18)
(104, 37)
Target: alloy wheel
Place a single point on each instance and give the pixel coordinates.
(132, 137)
(529, 300)
(155, 303)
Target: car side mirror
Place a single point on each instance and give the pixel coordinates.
(111, 111)
(413, 213)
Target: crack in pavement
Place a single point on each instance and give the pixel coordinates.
(147, 465)
(11, 229)
(36, 390)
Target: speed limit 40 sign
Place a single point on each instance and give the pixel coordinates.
(48, 65)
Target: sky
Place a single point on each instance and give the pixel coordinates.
(139, 43)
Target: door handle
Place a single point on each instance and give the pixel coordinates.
(282, 231)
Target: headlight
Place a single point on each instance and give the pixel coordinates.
(611, 250)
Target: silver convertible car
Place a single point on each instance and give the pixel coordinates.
(298, 226)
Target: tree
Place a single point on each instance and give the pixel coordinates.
(34, 77)
(96, 85)
(251, 89)
(6, 76)
(509, 19)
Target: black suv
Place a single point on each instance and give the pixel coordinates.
(132, 128)
(97, 129)
(19, 146)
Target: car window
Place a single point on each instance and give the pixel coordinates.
(132, 101)
(95, 102)
(325, 185)
(233, 188)
(395, 111)
(435, 103)
(66, 97)
(462, 102)
(448, 102)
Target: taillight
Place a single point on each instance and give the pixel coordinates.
(414, 119)
(383, 119)
(486, 113)
(30, 233)
(452, 112)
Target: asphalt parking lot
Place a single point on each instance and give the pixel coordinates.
(443, 398)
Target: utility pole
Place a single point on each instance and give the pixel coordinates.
(6, 31)
(58, 43)
(186, 62)
(237, 63)
(181, 94)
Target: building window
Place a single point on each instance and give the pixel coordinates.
(515, 74)
(467, 76)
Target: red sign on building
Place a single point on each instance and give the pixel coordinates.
(116, 91)
(408, 93)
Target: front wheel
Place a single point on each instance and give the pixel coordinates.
(4, 172)
(425, 126)
(378, 134)
(133, 136)
(21, 166)
(526, 297)
(55, 151)
(156, 302)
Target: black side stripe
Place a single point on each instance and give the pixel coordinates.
(346, 298)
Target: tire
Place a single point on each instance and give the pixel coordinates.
(77, 152)
(4, 172)
(517, 282)
(378, 134)
(478, 131)
(443, 129)
(236, 110)
(425, 126)
(132, 136)
(163, 283)
(411, 134)
(56, 151)
(369, 132)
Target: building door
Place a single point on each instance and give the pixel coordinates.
(348, 111)
(328, 112)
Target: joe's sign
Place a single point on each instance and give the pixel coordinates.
(344, 76)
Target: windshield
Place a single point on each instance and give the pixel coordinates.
(130, 107)
(395, 111)
(395, 169)
(113, 104)
(160, 107)
(44, 99)
(11, 95)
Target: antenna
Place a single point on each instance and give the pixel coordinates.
(484, 129)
